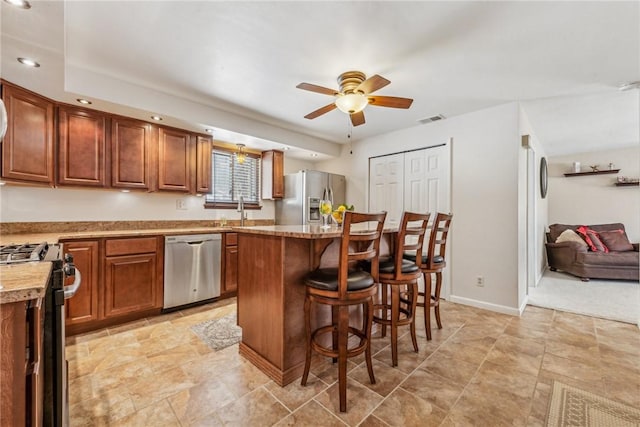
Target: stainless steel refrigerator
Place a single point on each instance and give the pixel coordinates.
(303, 191)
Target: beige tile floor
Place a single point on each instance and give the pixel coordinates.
(482, 368)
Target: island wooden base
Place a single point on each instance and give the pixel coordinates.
(272, 266)
(282, 378)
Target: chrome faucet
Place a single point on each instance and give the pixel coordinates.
(241, 210)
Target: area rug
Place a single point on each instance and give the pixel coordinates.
(219, 333)
(570, 406)
(608, 299)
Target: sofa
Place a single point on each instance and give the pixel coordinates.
(589, 260)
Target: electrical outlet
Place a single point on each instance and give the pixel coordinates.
(181, 204)
(479, 281)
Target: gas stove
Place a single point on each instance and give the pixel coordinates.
(28, 252)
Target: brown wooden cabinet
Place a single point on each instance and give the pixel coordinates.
(28, 146)
(204, 145)
(84, 306)
(21, 376)
(272, 174)
(132, 276)
(230, 264)
(82, 149)
(176, 160)
(131, 159)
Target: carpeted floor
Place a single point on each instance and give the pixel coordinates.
(219, 333)
(570, 406)
(607, 299)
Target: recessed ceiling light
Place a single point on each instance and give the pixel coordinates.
(208, 130)
(84, 101)
(28, 62)
(630, 85)
(156, 118)
(285, 148)
(314, 154)
(23, 4)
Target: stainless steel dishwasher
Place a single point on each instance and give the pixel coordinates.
(191, 268)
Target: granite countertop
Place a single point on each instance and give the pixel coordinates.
(25, 281)
(96, 234)
(302, 231)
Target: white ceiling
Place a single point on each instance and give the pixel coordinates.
(235, 65)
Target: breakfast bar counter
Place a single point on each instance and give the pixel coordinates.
(273, 261)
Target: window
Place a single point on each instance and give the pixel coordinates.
(231, 179)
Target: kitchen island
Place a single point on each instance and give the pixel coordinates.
(273, 261)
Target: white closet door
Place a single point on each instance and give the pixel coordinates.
(386, 185)
(426, 173)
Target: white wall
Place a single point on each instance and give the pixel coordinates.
(484, 234)
(594, 199)
(294, 165)
(41, 204)
(35, 204)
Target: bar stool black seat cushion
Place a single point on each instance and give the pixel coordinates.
(387, 266)
(327, 279)
(425, 259)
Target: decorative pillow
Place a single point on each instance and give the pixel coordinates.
(592, 239)
(616, 240)
(597, 241)
(570, 236)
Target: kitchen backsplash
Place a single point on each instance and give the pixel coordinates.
(67, 226)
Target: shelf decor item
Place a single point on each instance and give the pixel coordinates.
(576, 167)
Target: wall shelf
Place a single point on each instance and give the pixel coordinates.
(592, 173)
(627, 184)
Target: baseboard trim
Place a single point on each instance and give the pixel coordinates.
(486, 305)
(523, 306)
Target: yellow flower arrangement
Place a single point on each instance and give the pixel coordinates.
(338, 214)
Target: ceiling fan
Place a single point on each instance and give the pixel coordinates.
(354, 95)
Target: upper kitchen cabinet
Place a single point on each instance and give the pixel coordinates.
(131, 153)
(27, 149)
(175, 160)
(272, 174)
(82, 139)
(204, 145)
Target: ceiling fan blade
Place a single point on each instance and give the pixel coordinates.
(357, 119)
(390, 101)
(372, 84)
(317, 89)
(320, 111)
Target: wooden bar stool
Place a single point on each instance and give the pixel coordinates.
(341, 288)
(400, 277)
(434, 262)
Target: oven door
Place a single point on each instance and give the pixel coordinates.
(56, 395)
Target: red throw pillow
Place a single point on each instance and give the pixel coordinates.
(592, 239)
(616, 240)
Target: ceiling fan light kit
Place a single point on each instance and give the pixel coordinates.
(354, 96)
(352, 102)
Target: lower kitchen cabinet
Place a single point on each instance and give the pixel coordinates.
(230, 265)
(132, 276)
(83, 307)
(121, 281)
(21, 376)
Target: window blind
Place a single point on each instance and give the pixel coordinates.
(232, 179)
